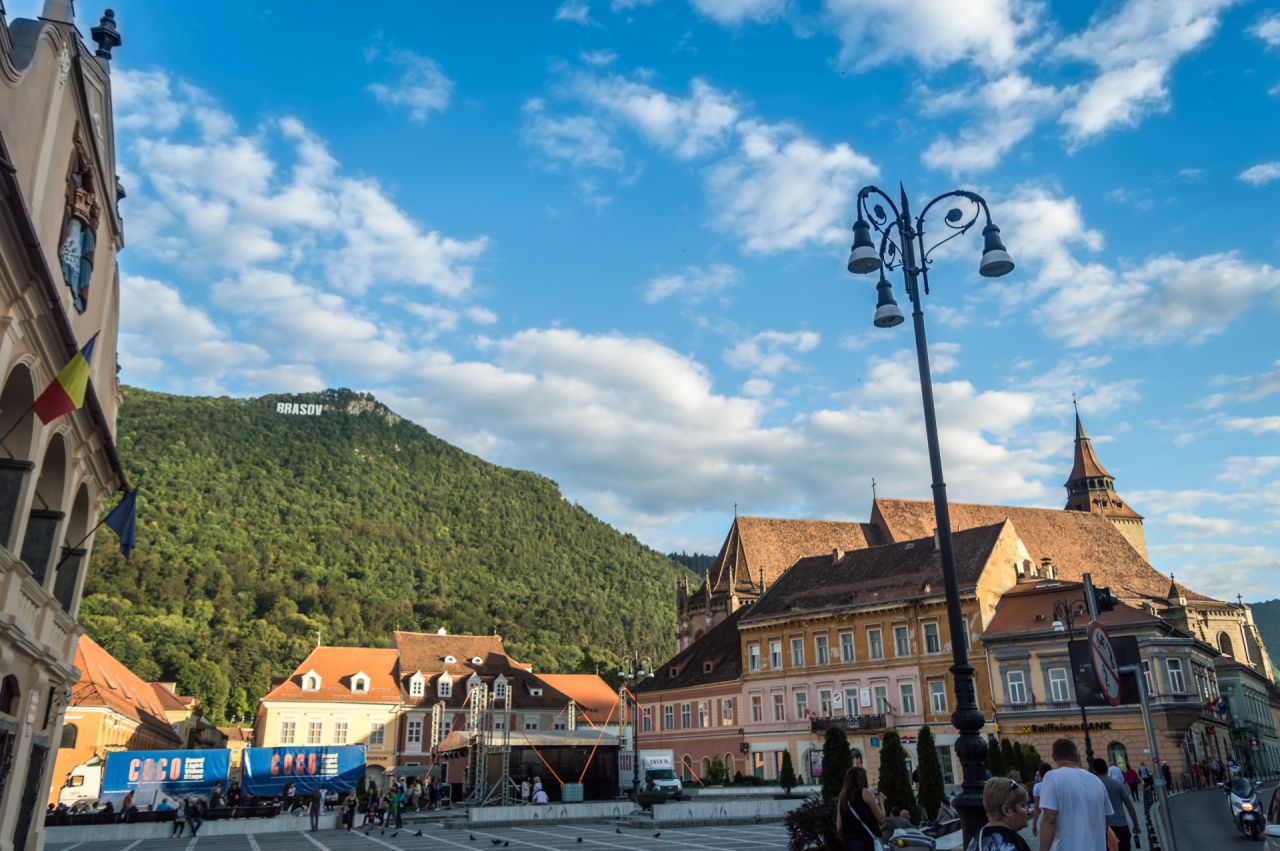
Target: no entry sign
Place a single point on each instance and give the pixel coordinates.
(1105, 665)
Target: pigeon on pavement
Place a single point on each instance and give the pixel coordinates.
(419, 833)
(394, 835)
(617, 830)
(473, 837)
(496, 841)
(656, 835)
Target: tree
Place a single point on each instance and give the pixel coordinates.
(836, 761)
(932, 789)
(895, 780)
(205, 680)
(787, 776)
(1010, 758)
(995, 758)
(716, 773)
(1033, 759)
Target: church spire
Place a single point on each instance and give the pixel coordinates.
(1086, 462)
(1091, 489)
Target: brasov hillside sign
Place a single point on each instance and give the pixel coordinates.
(295, 408)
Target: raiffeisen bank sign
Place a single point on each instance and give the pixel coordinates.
(302, 410)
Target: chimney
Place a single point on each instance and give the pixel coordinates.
(1046, 568)
(59, 10)
(836, 555)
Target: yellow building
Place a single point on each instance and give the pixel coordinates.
(111, 709)
(60, 231)
(187, 718)
(337, 696)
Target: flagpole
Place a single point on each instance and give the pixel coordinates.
(16, 423)
(92, 532)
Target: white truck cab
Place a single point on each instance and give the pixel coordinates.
(659, 772)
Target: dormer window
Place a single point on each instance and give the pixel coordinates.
(476, 660)
(534, 691)
(311, 681)
(472, 682)
(417, 685)
(360, 683)
(707, 667)
(444, 686)
(500, 689)
(450, 660)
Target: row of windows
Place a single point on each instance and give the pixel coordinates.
(1060, 689)
(822, 651)
(444, 688)
(703, 708)
(314, 733)
(849, 702)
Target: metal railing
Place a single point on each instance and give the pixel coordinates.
(850, 722)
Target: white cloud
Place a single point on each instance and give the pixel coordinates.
(481, 315)
(693, 285)
(1162, 299)
(688, 127)
(218, 198)
(1267, 28)
(757, 387)
(1011, 106)
(1248, 389)
(1134, 50)
(575, 11)
(582, 141)
(599, 58)
(936, 33)
(1256, 425)
(764, 353)
(736, 12)
(422, 87)
(1262, 174)
(783, 189)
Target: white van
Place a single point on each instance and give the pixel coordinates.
(84, 783)
(659, 772)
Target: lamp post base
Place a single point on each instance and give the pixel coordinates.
(971, 751)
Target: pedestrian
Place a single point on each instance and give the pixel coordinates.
(1131, 780)
(1197, 775)
(1120, 800)
(195, 815)
(1075, 804)
(1044, 769)
(896, 820)
(370, 807)
(393, 805)
(433, 793)
(1005, 801)
(1144, 774)
(317, 803)
(525, 790)
(540, 797)
(1167, 774)
(1216, 768)
(180, 819)
(537, 784)
(1116, 772)
(215, 796)
(349, 809)
(859, 812)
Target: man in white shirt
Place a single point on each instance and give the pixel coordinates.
(1075, 804)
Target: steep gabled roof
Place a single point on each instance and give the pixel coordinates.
(771, 545)
(1019, 607)
(106, 682)
(426, 652)
(877, 575)
(1086, 463)
(336, 665)
(1076, 542)
(720, 647)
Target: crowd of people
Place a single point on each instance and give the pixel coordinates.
(1069, 807)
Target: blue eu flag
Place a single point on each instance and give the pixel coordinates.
(123, 520)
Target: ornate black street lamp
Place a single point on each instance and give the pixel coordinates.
(632, 675)
(901, 252)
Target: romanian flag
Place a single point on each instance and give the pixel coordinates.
(66, 392)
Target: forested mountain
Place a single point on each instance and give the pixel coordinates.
(259, 529)
(696, 562)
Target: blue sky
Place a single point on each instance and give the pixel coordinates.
(605, 241)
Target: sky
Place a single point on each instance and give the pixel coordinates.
(605, 240)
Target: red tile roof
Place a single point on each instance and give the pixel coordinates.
(1086, 462)
(771, 545)
(593, 696)
(720, 647)
(336, 666)
(105, 681)
(1019, 607)
(426, 652)
(1076, 542)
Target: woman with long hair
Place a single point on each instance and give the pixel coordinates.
(859, 812)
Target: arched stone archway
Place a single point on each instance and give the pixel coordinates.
(17, 427)
(71, 556)
(1224, 644)
(45, 519)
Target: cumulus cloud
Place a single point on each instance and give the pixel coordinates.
(575, 12)
(1261, 174)
(422, 87)
(1134, 50)
(1247, 389)
(1081, 301)
(688, 126)
(581, 141)
(1011, 106)
(693, 285)
(215, 197)
(1267, 28)
(766, 353)
(737, 12)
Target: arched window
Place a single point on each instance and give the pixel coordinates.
(857, 758)
(1118, 755)
(1224, 644)
(729, 765)
(69, 734)
(309, 684)
(686, 766)
(9, 694)
(706, 767)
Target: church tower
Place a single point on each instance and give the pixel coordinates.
(1092, 489)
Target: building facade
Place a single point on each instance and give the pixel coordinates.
(60, 231)
(187, 718)
(111, 709)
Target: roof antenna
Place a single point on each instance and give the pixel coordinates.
(873, 488)
(735, 511)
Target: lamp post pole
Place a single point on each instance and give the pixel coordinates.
(971, 748)
(1064, 612)
(631, 681)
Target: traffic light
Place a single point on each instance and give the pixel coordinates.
(1105, 600)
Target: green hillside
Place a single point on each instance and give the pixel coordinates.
(1267, 617)
(256, 529)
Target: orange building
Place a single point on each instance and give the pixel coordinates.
(111, 709)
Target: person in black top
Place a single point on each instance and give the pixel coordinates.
(1006, 804)
(859, 812)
